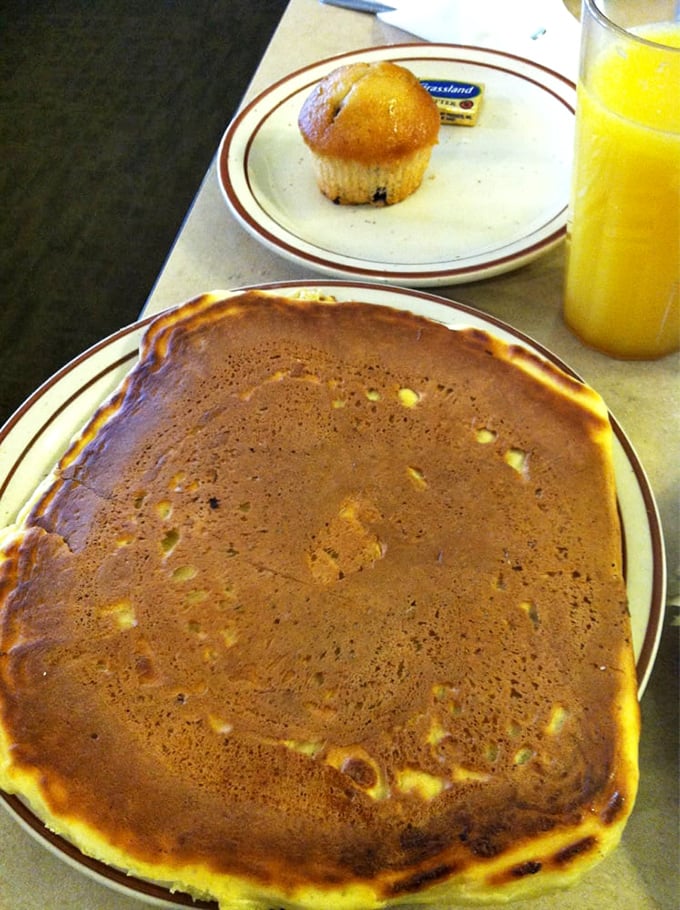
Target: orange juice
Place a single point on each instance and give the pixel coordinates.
(623, 239)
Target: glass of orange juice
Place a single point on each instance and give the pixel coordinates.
(622, 292)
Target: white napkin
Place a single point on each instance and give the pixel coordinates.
(540, 30)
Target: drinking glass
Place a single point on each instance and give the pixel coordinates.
(623, 234)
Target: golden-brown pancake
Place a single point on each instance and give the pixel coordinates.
(325, 608)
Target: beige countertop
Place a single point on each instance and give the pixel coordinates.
(213, 251)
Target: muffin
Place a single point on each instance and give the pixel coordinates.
(370, 128)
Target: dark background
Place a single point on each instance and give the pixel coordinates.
(110, 113)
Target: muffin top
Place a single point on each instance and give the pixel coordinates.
(370, 113)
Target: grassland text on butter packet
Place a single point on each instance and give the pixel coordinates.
(458, 102)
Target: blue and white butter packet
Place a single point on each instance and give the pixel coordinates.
(458, 102)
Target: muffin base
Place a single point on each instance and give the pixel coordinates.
(354, 183)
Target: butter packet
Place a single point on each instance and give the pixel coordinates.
(458, 102)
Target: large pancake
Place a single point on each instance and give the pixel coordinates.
(325, 607)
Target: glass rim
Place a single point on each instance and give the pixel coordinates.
(594, 7)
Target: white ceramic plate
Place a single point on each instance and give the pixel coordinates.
(40, 430)
(494, 197)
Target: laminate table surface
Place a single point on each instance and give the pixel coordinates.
(213, 251)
